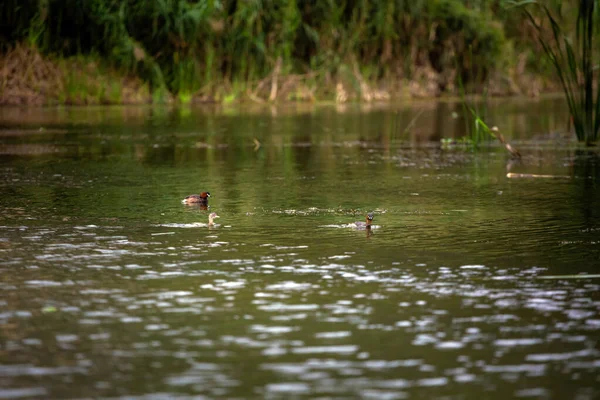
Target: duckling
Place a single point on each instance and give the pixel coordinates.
(366, 224)
(201, 199)
(211, 219)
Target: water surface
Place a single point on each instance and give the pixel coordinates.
(470, 287)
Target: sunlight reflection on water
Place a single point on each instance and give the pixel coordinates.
(473, 285)
(427, 317)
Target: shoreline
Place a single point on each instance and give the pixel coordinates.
(28, 78)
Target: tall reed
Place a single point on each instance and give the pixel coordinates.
(575, 63)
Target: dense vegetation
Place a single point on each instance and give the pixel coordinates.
(576, 63)
(268, 49)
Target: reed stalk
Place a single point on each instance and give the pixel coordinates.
(575, 62)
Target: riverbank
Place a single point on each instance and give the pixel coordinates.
(29, 78)
(268, 52)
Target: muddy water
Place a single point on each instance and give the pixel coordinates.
(471, 285)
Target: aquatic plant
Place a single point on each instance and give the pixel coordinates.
(575, 62)
(477, 130)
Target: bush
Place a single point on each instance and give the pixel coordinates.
(468, 40)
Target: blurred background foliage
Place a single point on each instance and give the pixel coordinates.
(210, 47)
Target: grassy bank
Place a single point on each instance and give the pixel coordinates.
(30, 78)
(103, 51)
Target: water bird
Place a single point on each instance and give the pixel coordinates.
(365, 225)
(201, 199)
(211, 219)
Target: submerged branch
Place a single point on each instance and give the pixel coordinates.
(515, 175)
(514, 152)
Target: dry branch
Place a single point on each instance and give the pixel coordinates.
(514, 152)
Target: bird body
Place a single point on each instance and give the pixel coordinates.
(201, 199)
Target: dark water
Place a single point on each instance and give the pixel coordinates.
(471, 286)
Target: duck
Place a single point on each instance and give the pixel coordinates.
(201, 199)
(364, 225)
(211, 219)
